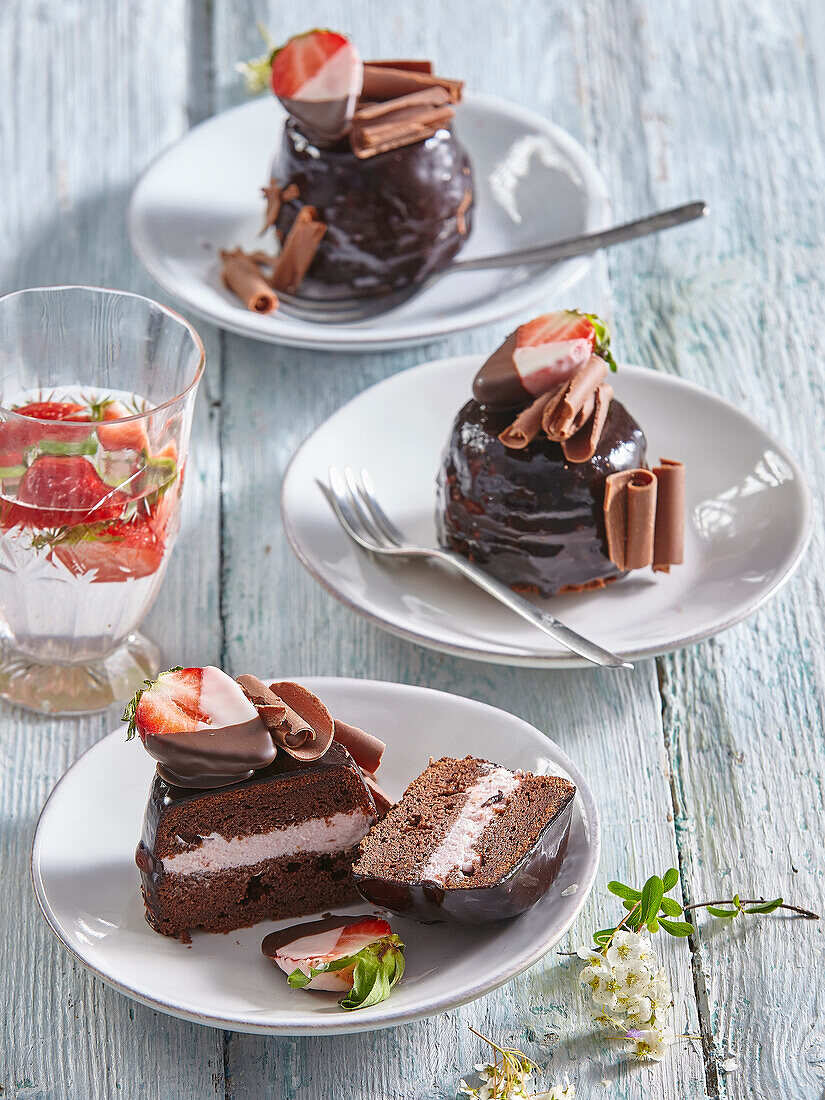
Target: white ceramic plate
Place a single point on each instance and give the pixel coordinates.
(749, 518)
(534, 183)
(87, 885)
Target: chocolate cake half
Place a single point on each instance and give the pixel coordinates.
(470, 842)
(279, 844)
(258, 802)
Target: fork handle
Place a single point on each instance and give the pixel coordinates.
(542, 619)
(588, 242)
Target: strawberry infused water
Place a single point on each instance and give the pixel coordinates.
(97, 391)
(88, 511)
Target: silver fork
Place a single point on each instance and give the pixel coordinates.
(355, 504)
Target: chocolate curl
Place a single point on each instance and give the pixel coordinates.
(526, 426)
(382, 800)
(242, 277)
(313, 715)
(298, 250)
(669, 538)
(364, 749)
(630, 518)
(305, 738)
(463, 207)
(384, 82)
(574, 401)
(380, 127)
(582, 446)
(407, 66)
(275, 198)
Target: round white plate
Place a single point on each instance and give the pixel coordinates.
(87, 884)
(749, 519)
(534, 183)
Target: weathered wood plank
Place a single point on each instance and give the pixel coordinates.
(90, 92)
(278, 619)
(730, 108)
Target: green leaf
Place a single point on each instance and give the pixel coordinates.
(722, 914)
(669, 879)
(603, 935)
(380, 966)
(622, 891)
(765, 906)
(670, 907)
(602, 343)
(652, 893)
(629, 904)
(736, 901)
(653, 925)
(298, 979)
(676, 927)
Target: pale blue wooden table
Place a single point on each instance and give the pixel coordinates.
(712, 758)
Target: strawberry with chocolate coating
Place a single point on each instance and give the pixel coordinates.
(359, 956)
(200, 726)
(318, 77)
(540, 355)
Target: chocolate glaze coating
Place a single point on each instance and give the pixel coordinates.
(391, 218)
(518, 891)
(529, 517)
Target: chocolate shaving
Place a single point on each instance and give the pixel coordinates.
(463, 207)
(380, 127)
(364, 749)
(385, 82)
(272, 193)
(407, 66)
(526, 426)
(301, 735)
(572, 403)
(241, 275)
(669, 538)
(582, 446)
(630, 517)
(312, 713)
(298, 250)
(382, 800)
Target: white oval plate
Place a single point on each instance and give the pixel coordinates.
(87, 884)
(749, 520)
(534, 183)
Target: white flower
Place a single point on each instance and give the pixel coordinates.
(639, 1011)
(628, 947)
(589, 954)
(560, 1092)
(651, 1044)
(634, 978)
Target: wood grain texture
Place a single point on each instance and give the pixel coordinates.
(90, 91)
(714, 758)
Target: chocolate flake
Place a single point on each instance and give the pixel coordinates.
(463, 207)
(669, 538)
(380, 127)
(242, 276)
(364, 749)
(573, 402)
(630, 517)
(298, 250)
(383, 82)
(407, 66)
(581, 446)
(301, 736)
(526, 426)
(274, 197)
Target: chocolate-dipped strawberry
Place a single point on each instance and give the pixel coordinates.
(539, 355)
(200, 727)
(359, 956)
(317, 76)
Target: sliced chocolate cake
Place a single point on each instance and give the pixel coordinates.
(257, 806)
(544, 482)
(470, 842)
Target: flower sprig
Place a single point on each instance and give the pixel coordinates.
(509, 1076)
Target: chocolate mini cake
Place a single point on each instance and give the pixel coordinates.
(370, 190)
(470, 842)
(523, 487)
(257, 806)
